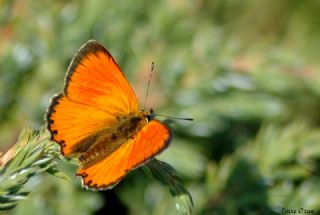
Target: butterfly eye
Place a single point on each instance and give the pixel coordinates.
(148, 118)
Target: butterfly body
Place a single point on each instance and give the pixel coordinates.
(97, 120)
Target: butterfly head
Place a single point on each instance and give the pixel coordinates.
(148, 115)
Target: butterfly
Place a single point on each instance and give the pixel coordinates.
(96, 119)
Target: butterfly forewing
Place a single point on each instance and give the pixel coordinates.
(96, 93)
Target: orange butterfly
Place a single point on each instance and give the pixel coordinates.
(96, 119)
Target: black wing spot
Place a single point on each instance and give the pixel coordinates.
(62, 143)
(89, 183)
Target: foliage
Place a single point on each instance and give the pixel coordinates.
(32, 155)
(246, 71)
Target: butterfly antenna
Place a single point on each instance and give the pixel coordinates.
(145, 100)
(172, 117)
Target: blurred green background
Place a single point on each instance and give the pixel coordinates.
(246, 71)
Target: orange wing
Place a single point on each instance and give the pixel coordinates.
(148, 142)
(96, 92)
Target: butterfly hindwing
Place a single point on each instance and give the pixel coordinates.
(148, 142)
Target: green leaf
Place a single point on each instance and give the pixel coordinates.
(167, 176)
(53, 170)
